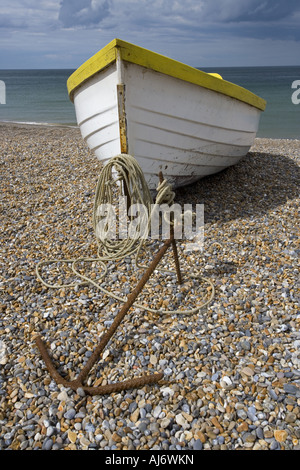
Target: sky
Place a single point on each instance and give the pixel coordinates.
(201, 33)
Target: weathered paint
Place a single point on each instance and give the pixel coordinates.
(122, 117)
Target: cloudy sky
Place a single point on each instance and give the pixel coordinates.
(201, 33)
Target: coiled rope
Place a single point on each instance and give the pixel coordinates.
(124, 174)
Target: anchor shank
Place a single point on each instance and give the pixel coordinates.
(131, 299)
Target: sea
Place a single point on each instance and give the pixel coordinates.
(40, 96)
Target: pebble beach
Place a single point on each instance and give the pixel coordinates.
(231, 371)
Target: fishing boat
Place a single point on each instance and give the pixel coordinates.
(171, 117)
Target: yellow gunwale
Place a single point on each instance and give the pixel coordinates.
(145, 58)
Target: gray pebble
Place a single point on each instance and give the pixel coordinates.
(292, 389)
(50, 431)
(148, 407)
(241, 414)
(47, 444)
(80, 392)
(132, 407)
(273, 394)
(245, 345)
(259, 433)
(215, 377)
(156, 412)
(274, 445)
(89, 428)
(70, 414)
(142, 426)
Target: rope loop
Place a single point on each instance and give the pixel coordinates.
(122, 176)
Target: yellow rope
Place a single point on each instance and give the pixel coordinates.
(124, 171)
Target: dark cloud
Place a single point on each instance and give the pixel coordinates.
(270, 10)
(259, 19)
(249, 18)
(269, 19)
(256, 30)
(8, 22)
(248, 10)
(83, 12)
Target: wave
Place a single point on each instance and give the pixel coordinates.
(33, 123)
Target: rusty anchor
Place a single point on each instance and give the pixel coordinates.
(127, 384)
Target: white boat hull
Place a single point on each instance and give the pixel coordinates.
(169, 125)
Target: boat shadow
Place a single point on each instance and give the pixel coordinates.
(260, 182)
